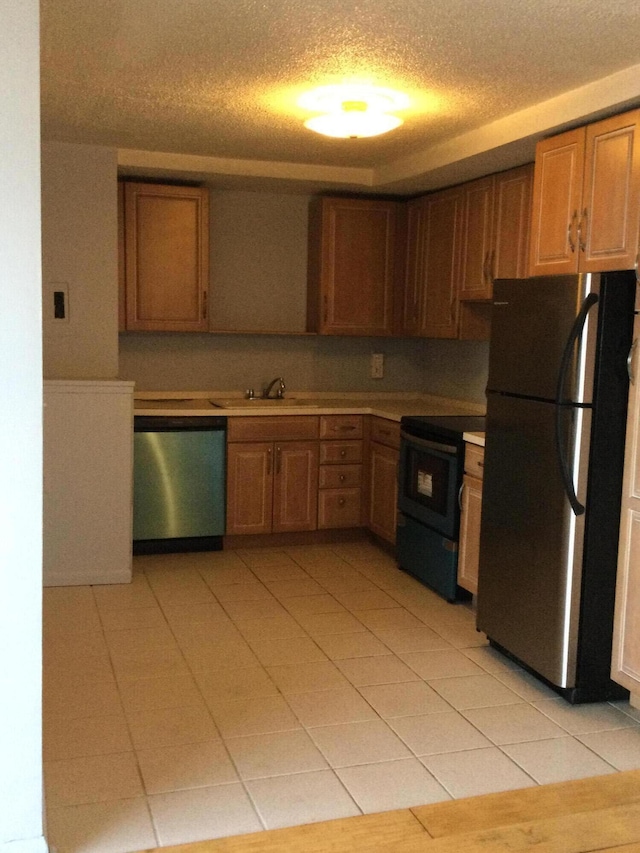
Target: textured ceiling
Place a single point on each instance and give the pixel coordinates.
(219, 78)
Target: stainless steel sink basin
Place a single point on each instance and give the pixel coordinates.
(262, 403)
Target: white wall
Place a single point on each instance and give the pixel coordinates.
(21, 824)
(79, 252)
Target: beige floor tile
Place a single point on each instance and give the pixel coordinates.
(81, 699)
(216, 654)
(125, 596)
(254, 609)
(64, 738)
(171, 726)
(109, 827)
(254, 591)
(199, 814)
(318, 624)
(376, 670)
(491, 660)
(328, 707)
(272, 627)
(275, 754)
(78, 667)
(152, 694)
(275, 652)
(525, 685)
(230, 684)
(473, 772)
(513, 724)
(133, 618)
(154, 663)
(306, 677)
(348, 583)
(391, 785)
(92, 779)
(365, 742)
(309, 605)
(437, 733)
(626, 708)
(62, 648)
(440, 663)
(557, 760)
(209, 612)
(620, 748)
(294, 588)
(409, 698)
(192, 765)
(420, 639)
(279, 572)
(264, 557)
(374, 599)
(360, 645)
(581, 719)
(225, 575)
(461, 637)
(194, 634)
(301, 798)
(133, 641)
(329, 568)
(391, 617)
(259, 715)
(474, 691)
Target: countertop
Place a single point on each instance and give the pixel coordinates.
(474, 438)
(230, 404)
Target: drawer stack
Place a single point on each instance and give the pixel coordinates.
(340, 481)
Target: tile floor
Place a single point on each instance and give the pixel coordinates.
(222, 693)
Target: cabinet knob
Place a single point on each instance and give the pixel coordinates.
(343, 453)
(342, 502)
(342, 478)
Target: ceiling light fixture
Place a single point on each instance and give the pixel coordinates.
(353, 111)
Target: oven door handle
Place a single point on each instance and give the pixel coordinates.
(451, 449)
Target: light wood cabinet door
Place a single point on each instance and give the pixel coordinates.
(610, 213)
(469, 548)
(383, 491)
(352, 266)
(477, 240)
(295, 486)
(412, 292)
(625, 661)
(442, 234)
(166, 257)
(511, 224)
(557, 198)
(249, 487)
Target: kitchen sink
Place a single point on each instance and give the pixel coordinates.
(261, 403)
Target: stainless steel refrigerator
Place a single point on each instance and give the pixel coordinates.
(555, 429)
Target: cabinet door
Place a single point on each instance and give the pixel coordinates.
(557, 195)
(167, 257)
(610, 214)
(625, 661)
(351, 278)
(295, 487)
(249, 487)
(511, 224)
(441, 264)
(469, 548)
(413, 268)
(477, 240)
(383, 491)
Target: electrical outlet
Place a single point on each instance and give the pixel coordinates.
(59, 302)
(377, 365)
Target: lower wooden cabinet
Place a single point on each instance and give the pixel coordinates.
(272, 485)
(471, 511)
(341, 456)
(383, 486)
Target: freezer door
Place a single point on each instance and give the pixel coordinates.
(531, 323)
(531, 541)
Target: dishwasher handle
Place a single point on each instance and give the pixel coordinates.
(179, 423)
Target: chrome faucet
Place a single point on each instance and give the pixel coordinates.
(266, 393)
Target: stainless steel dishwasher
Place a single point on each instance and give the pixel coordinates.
(179, 480)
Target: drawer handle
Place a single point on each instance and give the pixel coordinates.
(343, 428)
(343, 453)
(342, 502)
(480, 464)
(342, 478)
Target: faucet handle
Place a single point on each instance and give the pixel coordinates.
(281, 388)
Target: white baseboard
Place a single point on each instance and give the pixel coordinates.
(86, 578)
(25, 845)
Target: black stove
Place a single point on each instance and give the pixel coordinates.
(446, 426)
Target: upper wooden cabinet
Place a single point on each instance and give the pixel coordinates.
(351, 266)
(495, 233)
(165, 237)
(586, 199)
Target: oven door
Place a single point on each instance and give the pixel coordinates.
(430, 475)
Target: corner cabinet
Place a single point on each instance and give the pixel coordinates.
(164, 241)
(470, 514)
(384, 453)
(625, 660)
(351, 266)
(586, 198)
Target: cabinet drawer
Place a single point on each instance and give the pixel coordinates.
(474, 460)
(340, 476)
(340, 451)
(341, 426)
(339, 508)
(276, 428)
(385, 432)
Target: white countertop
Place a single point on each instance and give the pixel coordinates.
(390, 406)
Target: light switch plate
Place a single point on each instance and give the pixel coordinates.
(377, 365)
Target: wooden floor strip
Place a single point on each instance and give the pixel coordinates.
(477, 813)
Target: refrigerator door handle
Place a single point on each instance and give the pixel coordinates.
(574, 334)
